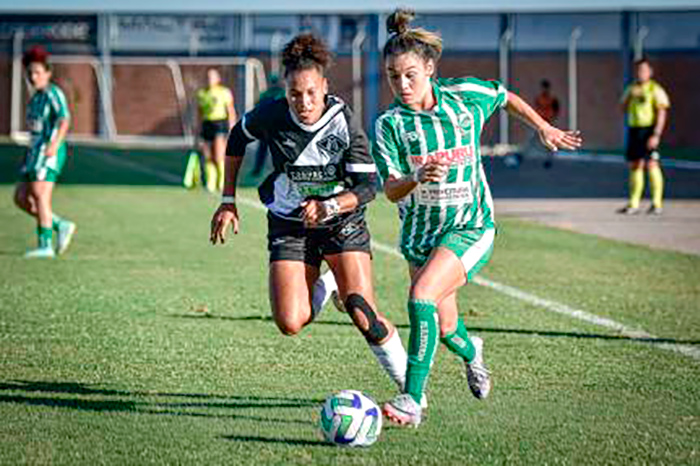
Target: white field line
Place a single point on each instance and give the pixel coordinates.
(552, 306)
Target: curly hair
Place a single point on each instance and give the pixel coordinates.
(306, 51)
(404, 39)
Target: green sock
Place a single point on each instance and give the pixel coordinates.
(45, 235)
(421, 345)
(459, 343)
(56, 222)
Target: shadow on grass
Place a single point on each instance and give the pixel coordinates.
(140, 402)
(508, 331)
(283, 441)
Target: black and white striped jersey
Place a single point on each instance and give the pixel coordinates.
(310, 161)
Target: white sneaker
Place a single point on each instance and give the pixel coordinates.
(40, 253)
(403, 410)
(64, 236)
(478, 376)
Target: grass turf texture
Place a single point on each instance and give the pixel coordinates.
(104, 358)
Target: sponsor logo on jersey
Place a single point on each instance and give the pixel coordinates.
(458, 156)
(331, 145)
(313, 173)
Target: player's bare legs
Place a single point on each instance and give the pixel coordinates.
(432, 305)
(353, 274)
(291, 288)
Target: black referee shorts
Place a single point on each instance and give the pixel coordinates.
(291, 240)
(637, 139)
(213, 128)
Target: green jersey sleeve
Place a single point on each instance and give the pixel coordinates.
(59, 105)
(385, 149)
(489, 95)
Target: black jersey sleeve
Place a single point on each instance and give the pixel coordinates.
(359, 164)
(248, 129)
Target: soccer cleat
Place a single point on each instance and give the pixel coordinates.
(40, 253)
(653, 210)
(64, 236)
(627, 210)
(337, 302)
(403, 410)
(478, 376)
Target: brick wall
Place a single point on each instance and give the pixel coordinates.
(145, 103)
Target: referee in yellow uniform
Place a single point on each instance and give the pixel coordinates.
(218, 116)
(646, 105)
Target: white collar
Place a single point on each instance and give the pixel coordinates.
(336, 106)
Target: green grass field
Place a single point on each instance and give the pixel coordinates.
(105, 359)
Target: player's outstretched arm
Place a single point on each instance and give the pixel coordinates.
(553, 138)
(227, 213)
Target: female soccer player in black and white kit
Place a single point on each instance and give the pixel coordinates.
(323, 177)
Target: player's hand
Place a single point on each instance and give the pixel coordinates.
(653, 142)
(432, 172)
(313, 212)
(51, 149)
(555, 139)
(225, 215)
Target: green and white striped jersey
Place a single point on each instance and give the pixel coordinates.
(450, 132)
(44, 111)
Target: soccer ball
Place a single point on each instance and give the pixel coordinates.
(351, 418)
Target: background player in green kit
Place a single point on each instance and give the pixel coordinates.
(48, 120)
(427, 153)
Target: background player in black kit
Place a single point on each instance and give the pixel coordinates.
(323, 176)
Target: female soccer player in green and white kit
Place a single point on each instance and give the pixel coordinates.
(427, 154)
(323, 176)
(48, 120)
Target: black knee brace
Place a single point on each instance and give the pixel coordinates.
(376, 330)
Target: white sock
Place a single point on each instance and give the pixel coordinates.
(323, 288)
(393, 358)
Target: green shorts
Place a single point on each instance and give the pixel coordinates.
(472, 247)
(38, 167)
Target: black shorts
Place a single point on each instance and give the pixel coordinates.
(213, 128)
(637, 139)
(291, 240)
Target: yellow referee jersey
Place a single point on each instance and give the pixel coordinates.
(213, 102)
(643, 102)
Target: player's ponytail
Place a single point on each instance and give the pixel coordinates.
(404, 39)
(306, 51)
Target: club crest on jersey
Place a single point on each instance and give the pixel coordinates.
(465, 123)
(412, 136)
(331, 145)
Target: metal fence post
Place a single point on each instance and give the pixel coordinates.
(573, 78)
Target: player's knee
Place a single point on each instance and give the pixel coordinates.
(373, 329)
(288, 327)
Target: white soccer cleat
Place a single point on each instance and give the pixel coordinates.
(403, 410)
(64, 236)
(40, 253)
(478, 376)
